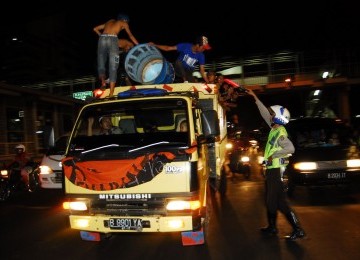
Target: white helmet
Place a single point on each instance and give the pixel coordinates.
(282, 115)
(20, 146)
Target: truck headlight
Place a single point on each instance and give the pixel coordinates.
(182, 205)
(76, 205)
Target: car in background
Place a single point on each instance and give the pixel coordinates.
(325, 153)
(242, 151)
(238, 157)
(50, 169)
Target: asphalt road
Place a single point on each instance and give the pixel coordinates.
(34, 226)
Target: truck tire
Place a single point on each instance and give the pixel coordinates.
(207, 212)
(223, 183)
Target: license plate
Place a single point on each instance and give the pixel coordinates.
(125, 223)
(337, 175)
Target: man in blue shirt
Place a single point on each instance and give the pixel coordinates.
(190, 55)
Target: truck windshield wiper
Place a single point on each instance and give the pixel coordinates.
(149, 145)
(99, 148)
(159, 143)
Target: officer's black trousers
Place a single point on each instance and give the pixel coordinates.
(275, 195)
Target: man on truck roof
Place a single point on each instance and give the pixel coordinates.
(108, 48)
(190, 55)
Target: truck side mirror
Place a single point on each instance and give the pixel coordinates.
(210, 124)
(201, 139)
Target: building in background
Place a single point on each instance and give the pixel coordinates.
(33, 118)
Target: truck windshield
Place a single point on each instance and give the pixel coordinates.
(128, 127)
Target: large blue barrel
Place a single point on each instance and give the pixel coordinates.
(145, 64)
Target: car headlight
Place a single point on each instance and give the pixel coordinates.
(353, 163)
(253, 142)
(44, 169)
(4, 173)
(305, 166)
(245, 159)
(229, 146)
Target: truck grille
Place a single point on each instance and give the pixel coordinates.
(153, 206)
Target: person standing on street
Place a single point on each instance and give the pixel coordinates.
(278, 148)
(108, 48)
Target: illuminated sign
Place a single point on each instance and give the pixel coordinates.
(82, 95)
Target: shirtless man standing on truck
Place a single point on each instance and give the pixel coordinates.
(108, 48)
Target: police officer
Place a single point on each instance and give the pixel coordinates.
(278, 149)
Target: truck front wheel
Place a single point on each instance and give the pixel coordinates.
(223, 183)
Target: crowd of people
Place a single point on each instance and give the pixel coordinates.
(190, 54)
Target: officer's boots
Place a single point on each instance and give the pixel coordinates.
(298, 232)
(271, 228)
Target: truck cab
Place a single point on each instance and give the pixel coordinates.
(147, 176)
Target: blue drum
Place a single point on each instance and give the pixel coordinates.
(145, 64)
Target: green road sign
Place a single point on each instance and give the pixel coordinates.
(82, 95)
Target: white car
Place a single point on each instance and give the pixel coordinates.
(50, 169)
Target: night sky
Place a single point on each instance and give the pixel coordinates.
(241, 30)
(249, 27)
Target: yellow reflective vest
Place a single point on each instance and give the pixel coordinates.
(272, 146)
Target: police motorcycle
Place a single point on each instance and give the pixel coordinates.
(11, 181)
